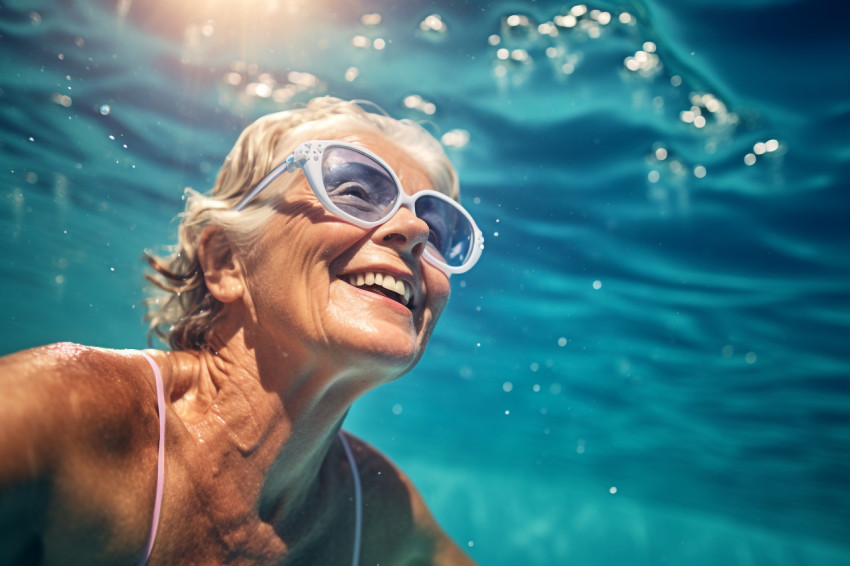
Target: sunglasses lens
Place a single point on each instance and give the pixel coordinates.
(357, 184)
(450, 236)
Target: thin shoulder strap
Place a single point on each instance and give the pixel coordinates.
(160, 470)
(358, 499)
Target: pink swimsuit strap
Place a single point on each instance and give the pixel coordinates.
(160, 470)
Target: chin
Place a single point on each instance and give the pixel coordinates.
(384, 351)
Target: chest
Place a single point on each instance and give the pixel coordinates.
(212, 514)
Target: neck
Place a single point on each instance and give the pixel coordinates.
(271, 416)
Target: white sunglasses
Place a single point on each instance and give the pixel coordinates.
(358, 186)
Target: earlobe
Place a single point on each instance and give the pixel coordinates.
(222, 269)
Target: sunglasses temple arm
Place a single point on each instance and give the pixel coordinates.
(287, 166)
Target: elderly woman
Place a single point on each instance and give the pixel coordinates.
(315, 271)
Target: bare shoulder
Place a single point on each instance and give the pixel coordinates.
(398, 528)
(75, 424)
(61, 394)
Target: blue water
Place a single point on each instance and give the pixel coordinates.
(650, 364)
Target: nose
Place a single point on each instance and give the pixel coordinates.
(405, 232)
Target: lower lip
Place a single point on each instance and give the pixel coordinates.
(389, 303)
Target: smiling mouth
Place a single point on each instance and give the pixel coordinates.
(382, 284)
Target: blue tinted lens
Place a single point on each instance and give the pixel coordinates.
(357, 184)
(450, 235)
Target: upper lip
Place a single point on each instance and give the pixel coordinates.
(398, 274)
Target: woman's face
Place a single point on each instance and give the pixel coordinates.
(304, 277)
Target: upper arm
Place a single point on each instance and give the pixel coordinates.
(398, 525)
(31, 416)
(443, 550)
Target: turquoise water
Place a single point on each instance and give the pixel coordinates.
(650, 364)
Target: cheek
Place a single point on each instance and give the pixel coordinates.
(438, 290)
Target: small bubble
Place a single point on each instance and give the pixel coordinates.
(470, 544)
(455, 138)
(397, 409)
(507, 387)
(562, 341)
(534, 366)
(727, 351)
(750, 357)
(105, 110)
(360, 41)
(536, 388)
(370, 19)
(612, 490)
(61, 99)
(699, 171)
(597, 284)
(507, 412)
(750, 159)
(433, 28)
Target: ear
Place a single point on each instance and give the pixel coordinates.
(222, 270)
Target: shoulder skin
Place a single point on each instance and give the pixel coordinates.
(78, 439)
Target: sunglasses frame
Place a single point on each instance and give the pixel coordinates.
(308, 157)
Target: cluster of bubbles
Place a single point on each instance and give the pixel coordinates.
(645, 62)
(521, 39)
(369, 40)
(763, 148)
(665, 166)
(707, 110)
(520, 43)
(249, 83)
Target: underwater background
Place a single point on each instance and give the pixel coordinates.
(651, 362)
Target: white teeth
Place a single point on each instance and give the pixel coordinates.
(386, 281)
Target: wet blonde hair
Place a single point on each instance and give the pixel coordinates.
(182, 311)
